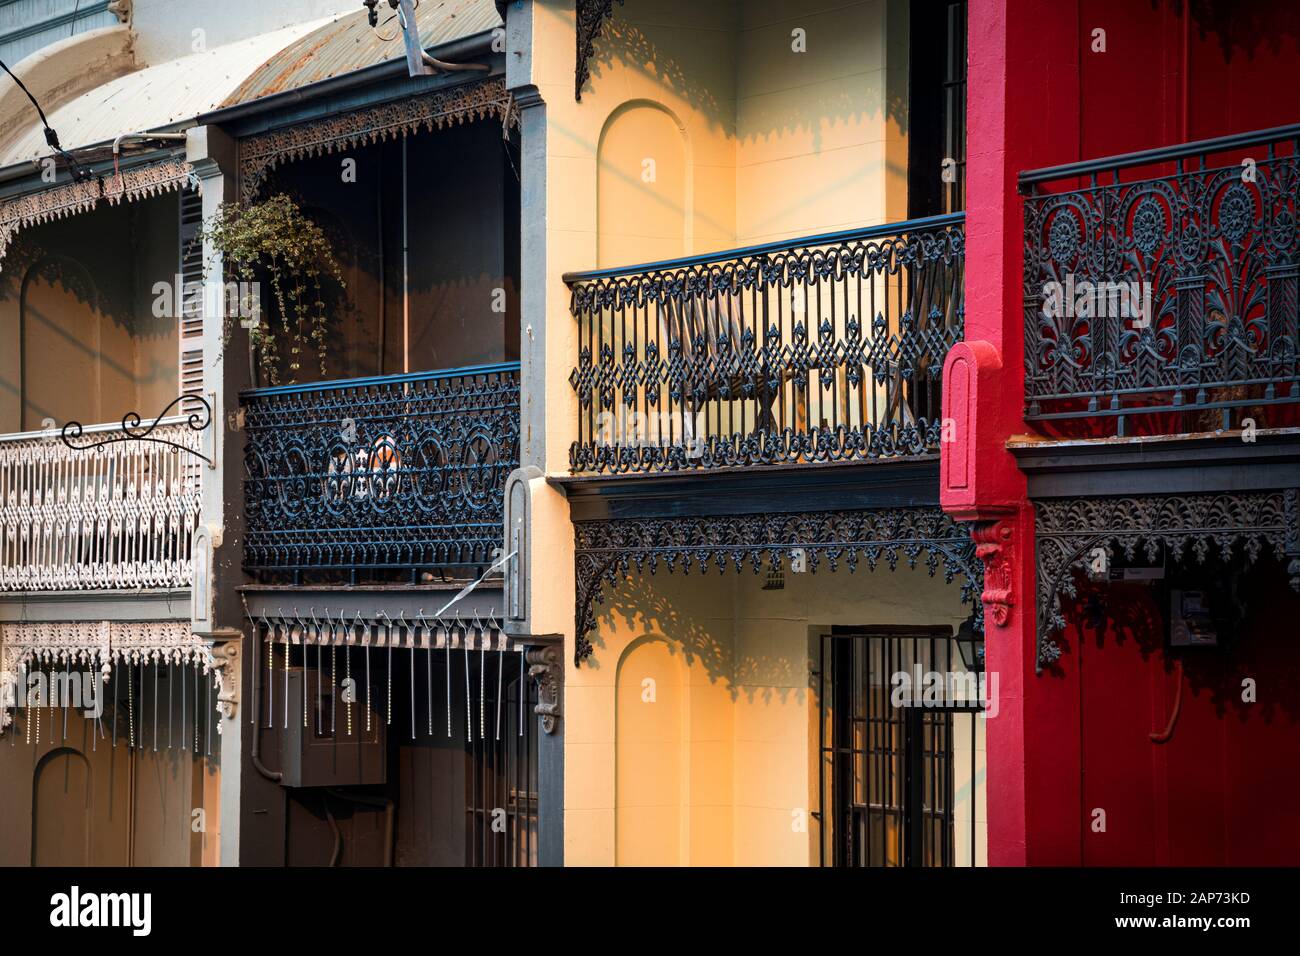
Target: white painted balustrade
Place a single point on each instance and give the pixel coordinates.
(118, 516)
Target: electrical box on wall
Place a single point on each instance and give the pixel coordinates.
(1191, 621)
(318, 751)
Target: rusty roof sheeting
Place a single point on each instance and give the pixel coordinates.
(349, 44)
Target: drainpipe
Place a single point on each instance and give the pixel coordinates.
(383, 803)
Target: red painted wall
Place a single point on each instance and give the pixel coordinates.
(1219, 791)
(1076, 737)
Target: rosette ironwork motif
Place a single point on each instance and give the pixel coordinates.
(403, 473)
(1168, 293)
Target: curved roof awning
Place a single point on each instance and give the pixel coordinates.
(171, 95)
(349, 44)
(155, 98)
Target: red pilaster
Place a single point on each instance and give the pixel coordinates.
(1024, 63)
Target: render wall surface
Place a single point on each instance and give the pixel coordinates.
(692, 732)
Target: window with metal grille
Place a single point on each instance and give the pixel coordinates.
(900, 759)
(501, 787)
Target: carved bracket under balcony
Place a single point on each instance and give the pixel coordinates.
(591, 17)
(607, 551)
(993, 547)
(1070, 531)
(546, 667)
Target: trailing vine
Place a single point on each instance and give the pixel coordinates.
(275, 239)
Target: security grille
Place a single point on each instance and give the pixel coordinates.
(901, 749)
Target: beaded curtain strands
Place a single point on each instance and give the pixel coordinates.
(410, 639)
(365, 640)
(320, 633)
(469, 696)
(388, 646)
(288, 642)
(270, 672)
(428, 663)
(302, 640)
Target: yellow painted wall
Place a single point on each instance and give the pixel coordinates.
(705, 687)
(701, 129)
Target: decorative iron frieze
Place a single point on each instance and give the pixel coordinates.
(70, 199)
(100, 645)
(832, 351)
(1213, 256)
(1069, 531)
(405, 472)
(609, 550)
(591, 17)
(260, 153)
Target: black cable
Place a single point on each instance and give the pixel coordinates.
(51, 137)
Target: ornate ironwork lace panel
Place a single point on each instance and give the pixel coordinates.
(99, 646)
(1191, 526)
(402, 472)
(607, 551)
(118, 516)
(828, 349)
(590, 18)
(1209, 250)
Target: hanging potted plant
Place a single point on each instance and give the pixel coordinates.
(275, 240)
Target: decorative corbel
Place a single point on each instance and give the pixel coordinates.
(993, 548)
(225, 665)
(546, 667)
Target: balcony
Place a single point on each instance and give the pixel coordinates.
(1161, 288)
(392, 477)
(816, 350)
(115, 517)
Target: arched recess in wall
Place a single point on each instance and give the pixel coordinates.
(644, 187)
(62, 809)
(649, 774)
(67, 369)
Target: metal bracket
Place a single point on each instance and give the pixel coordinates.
(132, 430)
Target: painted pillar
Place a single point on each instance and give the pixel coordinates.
(1023, 65)
(219, 611)
(546, 344)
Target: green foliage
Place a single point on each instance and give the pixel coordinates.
(275, 239)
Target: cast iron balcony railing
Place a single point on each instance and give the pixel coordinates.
(825, 349)
(118, 516)
(395, 474)
(1164, 281)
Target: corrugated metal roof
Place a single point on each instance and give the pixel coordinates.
(157, 96)
(350, 44)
